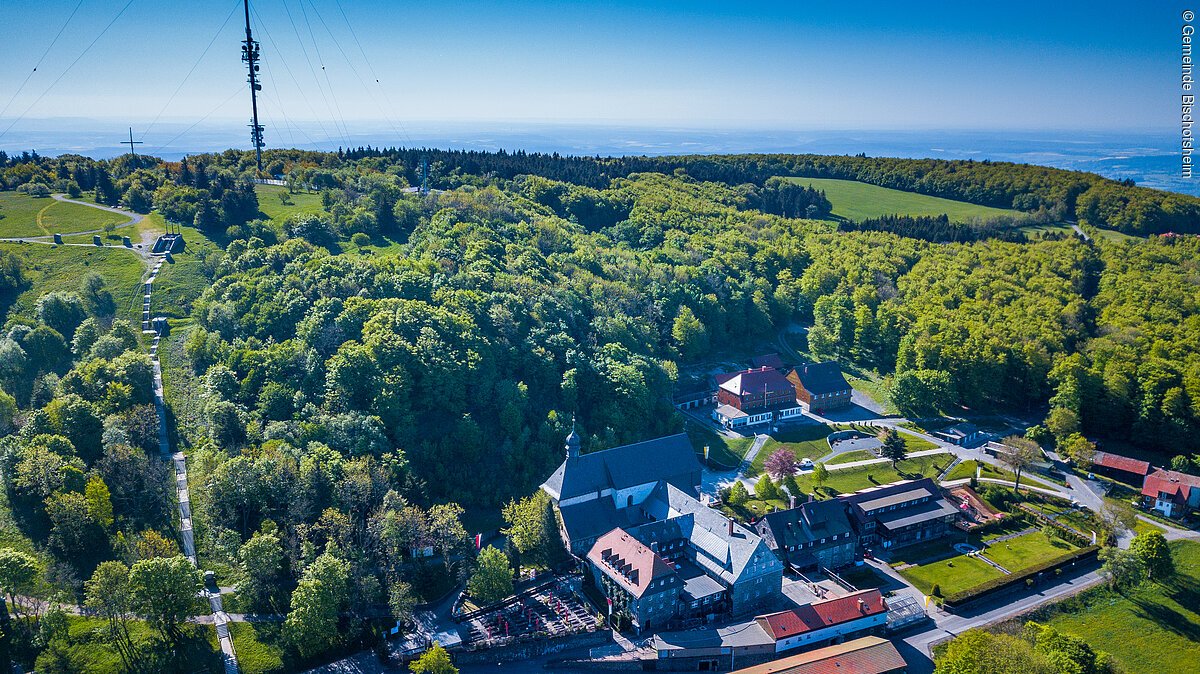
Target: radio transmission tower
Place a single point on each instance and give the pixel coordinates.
(250, 57)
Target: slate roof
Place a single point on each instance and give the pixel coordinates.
(1178, 485)
(756, 382)
(867, 655)
(632, 565)
(817, 378)
(668, 458)
(915, 514)
(806, 522)
(771, 360)
(822, 614)
(1122, 463)
(720, 554)
(741, 635)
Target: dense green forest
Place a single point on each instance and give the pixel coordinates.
(349, 402)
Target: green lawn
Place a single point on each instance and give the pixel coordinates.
(181, 282)
(726, 452)
(1151, 629)
(951, 575)
(851, 457)
(875, 388)
(90, 650)
(271, 206)
(1039, 231)
(257, 647)
(50, 268)
(853, 479)
(24, 215)
(1027, 550)
(966, 470)
(805, 441)
(856, 201)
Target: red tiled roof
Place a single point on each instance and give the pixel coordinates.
(822, 614)
(757, 382)
(628, 562)
(1123, 463)
(1178, 485)
(867, 655)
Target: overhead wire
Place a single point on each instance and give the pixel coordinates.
(241, 87)
(401, 131)
(321, 60)
(311, 70)
(67, 70)
(262, 27)
(193, 69)
(40, 59)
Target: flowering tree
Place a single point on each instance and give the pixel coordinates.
(781, 463)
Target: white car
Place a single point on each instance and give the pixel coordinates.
(806, 464)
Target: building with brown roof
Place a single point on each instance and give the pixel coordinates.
(1171, 493)
(826, 621)
(754, 396)
(867, 655)
(637, 581)
(821, 386)
(1120, 467)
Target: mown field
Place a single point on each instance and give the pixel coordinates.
(1150, 629)
(23, 215)
(853, 479)
(857, 201)
(272, 206)
(50, 268)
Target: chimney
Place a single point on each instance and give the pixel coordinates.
(862, 606)
(730, 526)
(811, 498)
(791, 501)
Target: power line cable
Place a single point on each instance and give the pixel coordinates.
(262, 26)
(371, 69)
(311, 70)
(321, 60)
(194, 66)
(240, 89)
(40, 59)
(64, 73)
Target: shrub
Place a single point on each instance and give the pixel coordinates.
(936, 591)
(361, 240)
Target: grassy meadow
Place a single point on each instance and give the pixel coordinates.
(22, 215)
(853, 200)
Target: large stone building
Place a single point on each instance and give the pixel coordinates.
(899, 514)
(653, 549)
(597, 492)
(821, 386)
(811, 535)
(754, 396)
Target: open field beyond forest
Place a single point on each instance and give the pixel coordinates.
(1150, 629)
(853, 200)
(24, 215)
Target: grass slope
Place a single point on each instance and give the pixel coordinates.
(1153, 628)
(856, 201)
(24, 215)
(853, 479)
(269, 203)
(50, 268)
(722, 451)
(806, 442)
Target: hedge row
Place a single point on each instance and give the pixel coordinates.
(997, 584)
(1068, 532)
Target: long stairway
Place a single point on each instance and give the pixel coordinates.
(179, 462)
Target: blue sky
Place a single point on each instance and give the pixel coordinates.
(793, 65)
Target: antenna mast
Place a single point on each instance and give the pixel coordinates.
(250, 57)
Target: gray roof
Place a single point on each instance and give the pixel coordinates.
(922, 512)
(742, 634)
(590, 519)
(898, 497)
(822, 377)
(670, 458)
(717, 552)
(804, 523)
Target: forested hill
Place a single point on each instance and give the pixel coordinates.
(1060, 194)
(1051, 194)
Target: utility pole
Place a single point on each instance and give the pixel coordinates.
(131, 142)
(250, 57)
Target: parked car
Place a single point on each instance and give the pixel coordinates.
(806, 464)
